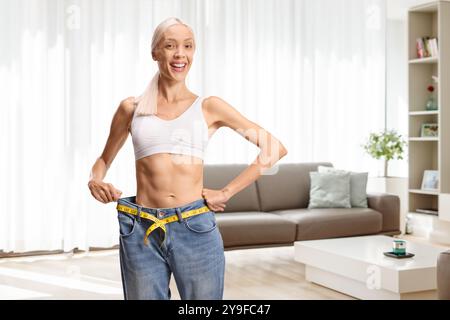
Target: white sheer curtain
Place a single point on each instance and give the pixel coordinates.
(309, 71)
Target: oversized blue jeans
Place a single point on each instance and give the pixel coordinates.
(193, 251)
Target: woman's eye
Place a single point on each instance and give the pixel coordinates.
(171, 46)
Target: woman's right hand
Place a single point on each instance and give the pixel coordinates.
(104, 192)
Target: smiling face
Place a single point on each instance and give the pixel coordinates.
(175, 52)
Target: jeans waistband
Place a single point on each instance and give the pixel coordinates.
(131, 202)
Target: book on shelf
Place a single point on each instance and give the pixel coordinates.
(427, 47)
(427, 210)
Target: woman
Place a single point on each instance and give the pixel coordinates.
(170, 225)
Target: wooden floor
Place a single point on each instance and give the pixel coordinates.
(268, 273)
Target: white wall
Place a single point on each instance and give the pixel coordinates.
(396, 90)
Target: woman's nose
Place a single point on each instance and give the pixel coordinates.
(180, 52)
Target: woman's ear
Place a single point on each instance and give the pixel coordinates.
(154, 56)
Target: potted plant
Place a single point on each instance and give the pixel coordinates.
(387, 145)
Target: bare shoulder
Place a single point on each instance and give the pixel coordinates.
(224, 114)
(125, 110)
(127, 105)
(124, 114)
(217, 109)
(214, 103)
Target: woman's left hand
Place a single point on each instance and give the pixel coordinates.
(215, 199)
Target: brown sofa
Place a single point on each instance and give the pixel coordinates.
(273, 210)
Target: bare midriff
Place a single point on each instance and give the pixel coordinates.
(166, 180)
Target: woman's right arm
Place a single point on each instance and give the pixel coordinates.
(100, 190)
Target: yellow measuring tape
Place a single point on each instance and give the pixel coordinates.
(160, 223)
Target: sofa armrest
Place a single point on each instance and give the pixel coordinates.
(389, 206)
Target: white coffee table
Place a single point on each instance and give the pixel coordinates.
(356, 266)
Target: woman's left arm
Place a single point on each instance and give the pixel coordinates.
(271, 150)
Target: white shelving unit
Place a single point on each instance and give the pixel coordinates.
(424, 60)
(429, 153)
(422, 113)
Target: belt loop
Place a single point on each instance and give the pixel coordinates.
(180, 218)
(138, 217)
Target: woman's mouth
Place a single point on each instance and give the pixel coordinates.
(178, 67)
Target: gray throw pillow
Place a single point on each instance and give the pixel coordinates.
(329, 190)
(358, 186)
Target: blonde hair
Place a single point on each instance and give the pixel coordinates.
(147, 101)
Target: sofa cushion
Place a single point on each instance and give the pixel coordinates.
(315, 224)
(358, 186)
(329, 190)
(217, 176)
(288, 188)
(254, 228)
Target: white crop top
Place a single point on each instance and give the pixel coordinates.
(187, 134)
